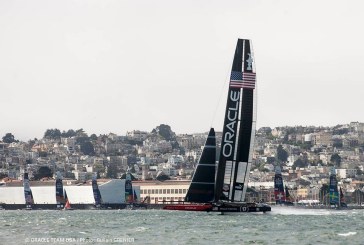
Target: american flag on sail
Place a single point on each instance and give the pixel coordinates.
(242, 80)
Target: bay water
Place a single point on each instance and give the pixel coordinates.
(284, 225)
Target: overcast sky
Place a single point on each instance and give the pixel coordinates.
(114, 66)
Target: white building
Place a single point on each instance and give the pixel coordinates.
(167, 191)
(112, 192)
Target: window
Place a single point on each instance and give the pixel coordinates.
(153, 191)
(168, 191)
(164, 191)
(148, 191)
(176, 191)
(172, 191)
(180, 191)
(184, 191)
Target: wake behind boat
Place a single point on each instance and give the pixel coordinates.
(226, 192)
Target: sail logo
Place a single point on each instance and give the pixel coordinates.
(250, 62)
(279, 181)
(232, 115)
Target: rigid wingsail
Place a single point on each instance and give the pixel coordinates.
(232, 172)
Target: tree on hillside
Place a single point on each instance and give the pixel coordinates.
(70, 133)
(87, 148)
(52, 134)
(81, 133)
(3, 175)
(164, 131)
(270, 160)
(93, 137)
(112, 171)
(42, 172)
(282, 154)
(299, 163)
(9, 138)
(335, 160)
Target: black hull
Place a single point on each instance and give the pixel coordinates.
(240, 207)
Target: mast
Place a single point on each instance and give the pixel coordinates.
(239, 127)
(202, 186)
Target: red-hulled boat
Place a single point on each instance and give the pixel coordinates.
(189, 207)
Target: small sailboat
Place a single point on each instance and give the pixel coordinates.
(60, 200)
(333, 190)
(281, 193)
(96, 192)
(67, 206)
(29, 201)
(336, 198)
(129, 194)
(226, 192)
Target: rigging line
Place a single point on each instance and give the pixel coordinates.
(222, 90)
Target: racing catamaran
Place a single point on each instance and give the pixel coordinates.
(238, 135)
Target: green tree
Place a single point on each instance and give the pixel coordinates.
(358, 171)
(9, 138)
(282, 154)
(93, 137)
(270, 160)
(99, 168)
(335, 159)
(299, 163)
(42, 172)
(70, 133)
(52, 134)
(164, 131)
(87, 148)
(81, 133)
(3, 175)
(112, 171)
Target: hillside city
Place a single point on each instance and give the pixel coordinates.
(305, 155)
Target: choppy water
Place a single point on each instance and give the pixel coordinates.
(281, 226)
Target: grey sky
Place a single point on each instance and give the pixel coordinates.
(115, 66)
